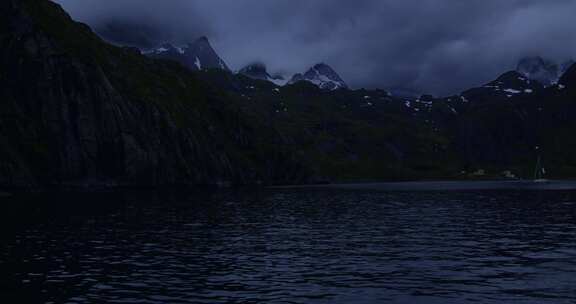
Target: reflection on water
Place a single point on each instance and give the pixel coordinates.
(298, 247)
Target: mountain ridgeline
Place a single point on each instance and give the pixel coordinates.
(259, 71)
(198, 55)
(76, 110)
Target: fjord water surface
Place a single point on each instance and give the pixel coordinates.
(296, 247)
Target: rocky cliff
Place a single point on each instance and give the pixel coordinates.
(77, 110)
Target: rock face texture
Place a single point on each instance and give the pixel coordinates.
(322, 76)
(76, 110)
(196, 56)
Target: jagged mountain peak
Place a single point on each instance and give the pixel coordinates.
(255, 67)
(513, 82)
(323, 76)
(508, 85)
(201, 43)
(323, 66)
(543, 70)
(256, 71)
(197, 55)
(259, 71)
(202, 55)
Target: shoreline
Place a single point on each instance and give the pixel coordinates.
(446, 185)
(422, 185)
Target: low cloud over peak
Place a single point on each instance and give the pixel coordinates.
(438, 46)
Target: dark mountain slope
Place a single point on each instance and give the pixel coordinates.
(350, 134)
(501, 126)
(75, 109)
(507, 123)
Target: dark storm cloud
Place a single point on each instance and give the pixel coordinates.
(439, 46)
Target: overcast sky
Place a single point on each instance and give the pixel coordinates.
(436, 46)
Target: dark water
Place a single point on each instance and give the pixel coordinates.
(295, 247)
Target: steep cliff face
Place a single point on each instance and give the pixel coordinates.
(74, 109)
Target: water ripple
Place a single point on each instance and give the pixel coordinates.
(304, 247)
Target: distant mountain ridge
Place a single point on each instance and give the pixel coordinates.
(320, 75)
(323, 76)
(506, 86)
(198, 55)
(201, 55)
(259, 71)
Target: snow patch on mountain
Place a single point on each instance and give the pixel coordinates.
(259, 71)
(198, 55)
(322, 76)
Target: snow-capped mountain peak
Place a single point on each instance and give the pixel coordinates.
(198, 55)
(323, 76)
(545, 71)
